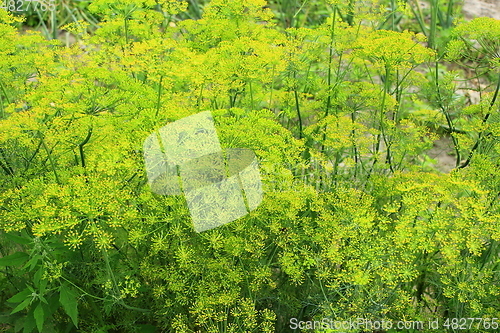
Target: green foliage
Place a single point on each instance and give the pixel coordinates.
(477, 39)
(354, 221)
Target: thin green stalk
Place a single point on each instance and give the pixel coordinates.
(71, 15)
(300, 9)
(84, 293)
(382, 128)
(51, 160)
(420, 17)
(87, 18)
(196, 7)
(329, 75)
(158, 100)
(251, 95)
(42, 23)
(485, 119)
(53, 20)
(492, 248)
(355, 148)
(337, 10)
(338, 156)
(200, 97)
(83, 143)
(446, 114)
(393, 15)
(6, 167)
(350, 12)
(272, 88)
(248, 289)
(126, 27)
(4, 93)
(297, 107)
(330, 60)
(433, 28)
(110, 272)
(382, 136)
(449, 14)
(2, 110)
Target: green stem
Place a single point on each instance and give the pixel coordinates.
(350, 13)
(297, 106)
(54, 24)
(110, 272)
(330, 60)
(251, 95)
(393, 15)
(272, 89)
(399, 95)
(49, 155)
(197, 10)
(84, 293)
(329, 76)
(4, 93)
(200, 98)
(382, 136)
(80, 147)
(382, 128)
(449, 13)
(2, 110)
(42, 23)
(485, 119)
(432, 33)
(7, 168)
(158, 100)
(420, 18)
(28, 162)
(354, 146)
(446, 114)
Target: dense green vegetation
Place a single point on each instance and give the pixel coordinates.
(340, 100)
